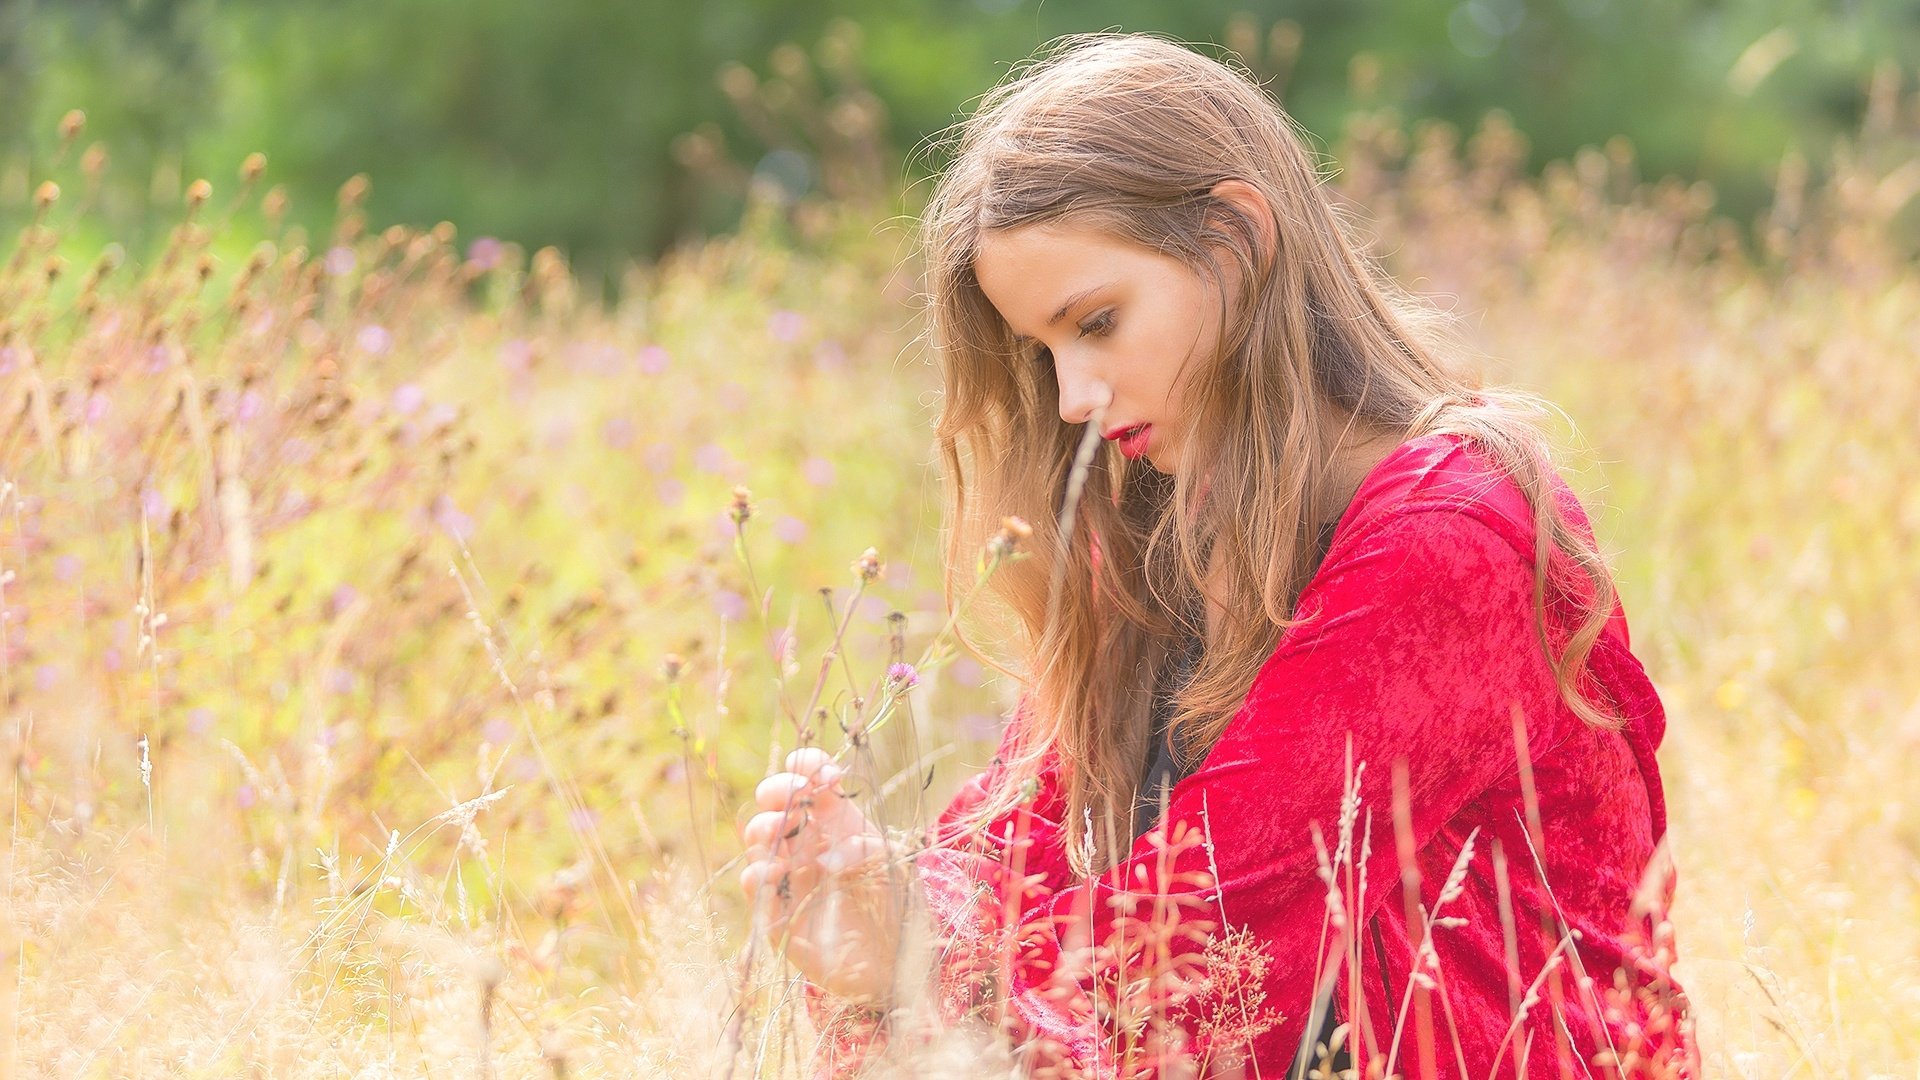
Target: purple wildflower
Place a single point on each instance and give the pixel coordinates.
(818, 471)
(484, 253)
(731, 605)
(343, 597)
(408, 397)
(786, 325)
(830, 358)
(374, 339)
(618, 432)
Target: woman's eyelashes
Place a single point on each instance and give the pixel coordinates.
(1098, 326)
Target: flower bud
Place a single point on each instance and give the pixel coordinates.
(354, 190)
(1013, 532)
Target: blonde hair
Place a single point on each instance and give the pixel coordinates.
(1128, 134)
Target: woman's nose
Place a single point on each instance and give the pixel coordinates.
(1082, 396)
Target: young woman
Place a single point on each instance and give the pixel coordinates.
(1322, 651)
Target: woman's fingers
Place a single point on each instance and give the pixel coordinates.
(824, 925)
(784, 789)
(757, 881)
(771, 829)
(809, 760)
(779, 791)
(850, 853)
(784, 882)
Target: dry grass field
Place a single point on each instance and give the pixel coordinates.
(386, 674)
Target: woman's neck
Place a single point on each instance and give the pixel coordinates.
(1360, 448)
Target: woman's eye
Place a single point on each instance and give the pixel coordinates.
(1099, 325)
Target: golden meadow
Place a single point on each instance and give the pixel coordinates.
(387, 667)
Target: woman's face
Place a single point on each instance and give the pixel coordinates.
(1119, 321)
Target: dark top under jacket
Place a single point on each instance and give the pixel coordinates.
(1167, 764)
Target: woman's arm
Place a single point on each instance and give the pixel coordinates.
(1025, 839)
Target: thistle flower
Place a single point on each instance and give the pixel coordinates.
(901, 676)
(868, 566)
(742, 507)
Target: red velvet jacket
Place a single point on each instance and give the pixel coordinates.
(1421, 644)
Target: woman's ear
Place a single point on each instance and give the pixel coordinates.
(1247, 199)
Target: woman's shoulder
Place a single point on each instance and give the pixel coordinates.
(1444, 501)
(1445, 481)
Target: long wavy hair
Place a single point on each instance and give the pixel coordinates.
(1128, 134)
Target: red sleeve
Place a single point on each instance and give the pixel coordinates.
(1421, 636)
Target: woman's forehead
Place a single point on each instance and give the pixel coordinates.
(1051, 241)
(1035, 264)
(1037, 275)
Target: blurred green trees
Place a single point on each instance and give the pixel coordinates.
(611, 128)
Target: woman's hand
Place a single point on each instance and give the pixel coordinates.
(817, 871)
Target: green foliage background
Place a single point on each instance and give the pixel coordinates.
(555, 122)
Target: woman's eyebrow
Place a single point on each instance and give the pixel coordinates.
(1022, 339)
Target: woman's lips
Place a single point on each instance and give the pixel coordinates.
(1133, 443)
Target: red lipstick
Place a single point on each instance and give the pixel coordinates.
(1133, 440)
